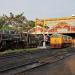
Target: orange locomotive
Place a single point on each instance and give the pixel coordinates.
(59, 41)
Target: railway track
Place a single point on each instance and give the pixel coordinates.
(54, 56)
(13, 60)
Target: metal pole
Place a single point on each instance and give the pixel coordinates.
(27, 39)
(44, 43)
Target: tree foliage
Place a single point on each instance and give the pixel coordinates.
(32, 23)
(17, 22)
(2, 22)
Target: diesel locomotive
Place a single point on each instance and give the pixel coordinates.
(60, 40)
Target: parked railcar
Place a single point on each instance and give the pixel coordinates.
(73, 42)
(59, 41)
(66, 41)
(9, 40)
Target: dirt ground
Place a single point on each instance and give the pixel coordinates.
(63, 67)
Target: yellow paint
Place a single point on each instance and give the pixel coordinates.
(55, 40)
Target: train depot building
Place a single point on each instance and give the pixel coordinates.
(64, 25)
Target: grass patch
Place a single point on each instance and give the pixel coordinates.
(18, 50)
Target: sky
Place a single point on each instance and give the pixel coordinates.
(38, 8)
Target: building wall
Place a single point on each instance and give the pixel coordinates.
(62, 25)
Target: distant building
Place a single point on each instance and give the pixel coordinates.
(54, 25)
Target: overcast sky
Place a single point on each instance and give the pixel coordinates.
(38, 8)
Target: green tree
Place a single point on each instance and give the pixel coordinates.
(18, 22)
(32, 23)
(2, 22)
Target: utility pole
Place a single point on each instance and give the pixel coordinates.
(44, 43)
